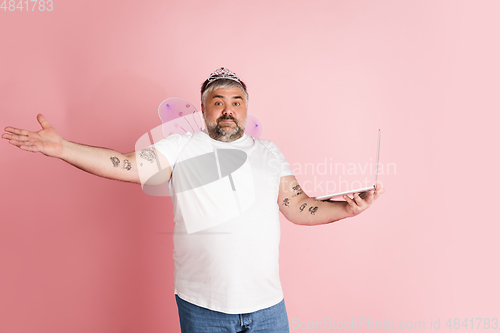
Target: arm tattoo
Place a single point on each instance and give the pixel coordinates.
(115, 161)
(148, 154)
(302, 206)
(297, 189)
(127, 165)
(313, 209)
(286, 202)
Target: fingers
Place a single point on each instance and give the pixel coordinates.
(43, 122)
(24, 145)
(365, 200)
(16, 131)
(367, 194)
(31, 149)
(378, 191)
(19, 142)
(365, 197)
(20, 138)
(15, 137)
(350, 201)
(357, 199)
(359, 202)
(356, 205)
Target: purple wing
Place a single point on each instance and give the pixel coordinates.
(178, 116)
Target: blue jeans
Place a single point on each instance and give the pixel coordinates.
(195, 319)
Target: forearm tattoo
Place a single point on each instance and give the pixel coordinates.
(127, 165)
(313, 210)
(297, 189)
(115, 161)
(302, 206)
(286, 202)
(148, 154)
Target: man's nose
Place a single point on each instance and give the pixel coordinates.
(228, 109)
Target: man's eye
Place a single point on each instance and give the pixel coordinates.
(236, 103)
(218, 103)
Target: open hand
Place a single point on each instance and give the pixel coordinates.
(47, 140)
(361, 201)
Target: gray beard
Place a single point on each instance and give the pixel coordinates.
(217, 132)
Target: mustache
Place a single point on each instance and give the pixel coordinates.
(227, 116)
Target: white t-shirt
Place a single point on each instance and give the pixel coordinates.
(227, 231)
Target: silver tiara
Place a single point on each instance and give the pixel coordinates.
(223, 73)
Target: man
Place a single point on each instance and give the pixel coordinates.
(227, 231)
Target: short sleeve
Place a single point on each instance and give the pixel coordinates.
(171, 147)
(283, 164)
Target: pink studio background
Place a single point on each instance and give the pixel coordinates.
(80, 253)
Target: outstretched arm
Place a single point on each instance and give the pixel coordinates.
(131, 167)
(299, 208)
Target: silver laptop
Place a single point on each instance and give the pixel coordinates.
(359, 190)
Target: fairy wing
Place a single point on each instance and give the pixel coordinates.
(178, 116)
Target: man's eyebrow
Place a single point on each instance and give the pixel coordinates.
(222, 97)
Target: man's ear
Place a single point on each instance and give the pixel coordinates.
(202, 108)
